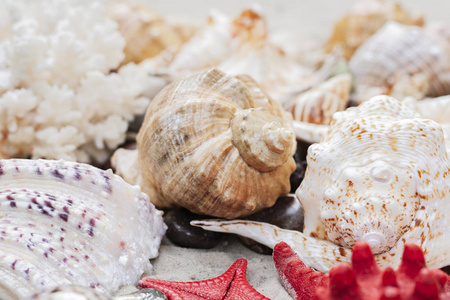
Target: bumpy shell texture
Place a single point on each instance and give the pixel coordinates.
(369, 178)
(67, 223)
(216, 145)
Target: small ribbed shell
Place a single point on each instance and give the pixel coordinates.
(216, 145)
(65, 223)
(366, 18)
(319, 104)
(397, 51)
(146, 32)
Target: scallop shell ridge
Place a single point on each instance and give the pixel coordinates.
(70, 223)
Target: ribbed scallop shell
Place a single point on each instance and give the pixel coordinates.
(318, 105)
(67, 223)
(382, 175)
(217, 145)
(366, 18)
(397, 51)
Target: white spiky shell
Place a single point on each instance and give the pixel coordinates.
(381, 174)
(69, 223)
(214, 144)
(397, 51)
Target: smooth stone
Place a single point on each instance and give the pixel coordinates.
(286, 213)
(300, 161)
(183, 234)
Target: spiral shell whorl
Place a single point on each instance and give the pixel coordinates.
(216, 145)
(263, 142)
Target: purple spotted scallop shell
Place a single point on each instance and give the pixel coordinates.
(67, 223)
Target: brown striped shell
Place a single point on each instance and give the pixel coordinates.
(320, 103)
(216, 145)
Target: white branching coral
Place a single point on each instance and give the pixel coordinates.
(59, 94)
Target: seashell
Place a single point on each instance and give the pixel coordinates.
(216, 145)
(366, 18)
(400, 60)
(379, 175)
(70, 223)
(87, 293)
(242, 46)
(146, 32)
(318, 105)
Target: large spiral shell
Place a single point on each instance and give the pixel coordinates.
(217, 145)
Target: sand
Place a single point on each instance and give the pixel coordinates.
(185, 264)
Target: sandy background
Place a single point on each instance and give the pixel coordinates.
(309, 18)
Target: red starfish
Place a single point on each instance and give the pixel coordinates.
(231, 285)
(363, 279)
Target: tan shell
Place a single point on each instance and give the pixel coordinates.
(318, 105)
(216, 145)
(146, 32)
(400, 60)
(365, 18)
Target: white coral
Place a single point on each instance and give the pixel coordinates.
(58, 95)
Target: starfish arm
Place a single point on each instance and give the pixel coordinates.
(318, 254)
(231, 285)
(299, 280)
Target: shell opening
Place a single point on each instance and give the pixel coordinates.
(264, 143)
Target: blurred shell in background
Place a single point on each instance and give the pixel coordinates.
(214, 144)
(146, 32)
(320, 103)
(403, 61)
(366, 18)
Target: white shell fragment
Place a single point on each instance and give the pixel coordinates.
(67, 223)
(381, 174)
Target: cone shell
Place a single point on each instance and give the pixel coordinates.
(216, 145)
(319, 104)
(399, 53)
(146, 32)
(366, 18)
(65, 223)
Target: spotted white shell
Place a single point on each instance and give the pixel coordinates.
(67, 223)
(381, 174)
(400, 60)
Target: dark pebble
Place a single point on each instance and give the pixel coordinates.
(300, 161)
(183, 234)
(287, 213)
